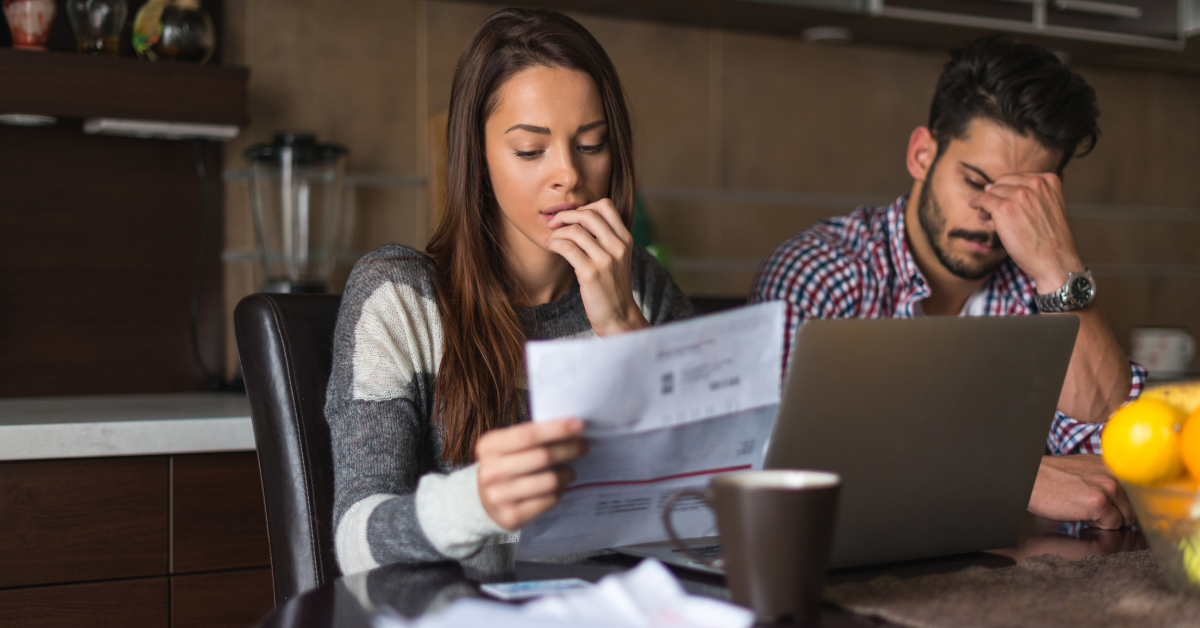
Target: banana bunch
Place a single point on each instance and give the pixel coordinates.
(1182, 395)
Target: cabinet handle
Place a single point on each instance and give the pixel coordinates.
(1100, 8)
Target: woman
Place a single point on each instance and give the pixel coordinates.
(433, 453)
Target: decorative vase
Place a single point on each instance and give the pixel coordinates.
(174, 30)
(29, 21)
(97, 24)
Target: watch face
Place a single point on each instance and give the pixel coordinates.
(1081, 290)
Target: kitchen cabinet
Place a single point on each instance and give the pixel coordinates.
(138, 510)
(1152, 23)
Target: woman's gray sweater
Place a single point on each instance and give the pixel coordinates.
(395, 499)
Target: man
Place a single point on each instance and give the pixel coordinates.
(984, 232)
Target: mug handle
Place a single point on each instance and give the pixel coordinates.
(1190, 349)
(669, 506)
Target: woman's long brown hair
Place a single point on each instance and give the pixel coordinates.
(481, 371)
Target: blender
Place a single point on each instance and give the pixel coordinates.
(296, 194)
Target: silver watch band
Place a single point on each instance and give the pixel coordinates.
(1078, 291)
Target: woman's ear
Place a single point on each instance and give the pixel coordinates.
(922, 151)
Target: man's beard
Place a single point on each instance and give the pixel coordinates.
(933, 222)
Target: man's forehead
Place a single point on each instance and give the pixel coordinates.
(997, 150)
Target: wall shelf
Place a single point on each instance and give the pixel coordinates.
(85, 86)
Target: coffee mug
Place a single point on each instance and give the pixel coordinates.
(1166, 352)
(776, 532)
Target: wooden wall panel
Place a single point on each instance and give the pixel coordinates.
(235, 599)
(128, 604)
(75, 520)
(100, 238)
(218, 518)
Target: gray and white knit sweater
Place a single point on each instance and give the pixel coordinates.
(395, 499)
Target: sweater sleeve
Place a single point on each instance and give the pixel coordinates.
(392, 501)
(655, 291)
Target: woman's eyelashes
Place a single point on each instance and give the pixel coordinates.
(586, 149)
(975, 184)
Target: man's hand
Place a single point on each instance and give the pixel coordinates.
(1030, 215)
(1080, 488)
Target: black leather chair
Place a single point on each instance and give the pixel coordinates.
(286, 346)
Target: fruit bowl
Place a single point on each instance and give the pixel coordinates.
(1170, 519)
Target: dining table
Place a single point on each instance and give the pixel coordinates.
(413, 590)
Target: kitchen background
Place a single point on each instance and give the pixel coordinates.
(742, 140)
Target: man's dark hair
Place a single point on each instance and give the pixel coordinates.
(1019, 86)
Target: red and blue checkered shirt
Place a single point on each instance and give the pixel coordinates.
(859, 266)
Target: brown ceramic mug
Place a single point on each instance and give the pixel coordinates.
(776, 531)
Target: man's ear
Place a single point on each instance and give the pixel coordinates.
(922, 151)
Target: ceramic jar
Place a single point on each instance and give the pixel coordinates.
(29, 21)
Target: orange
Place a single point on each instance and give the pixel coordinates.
(1141, 442)
(1189, 444)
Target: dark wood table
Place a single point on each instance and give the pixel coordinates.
(413, 590)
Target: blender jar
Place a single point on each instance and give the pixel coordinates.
(296, 194)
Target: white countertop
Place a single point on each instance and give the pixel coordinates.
(124, 425)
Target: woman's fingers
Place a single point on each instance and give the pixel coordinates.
(614, 239)
(549, 482)
(609, 212)
(583, 239)
(525, 436)
(531, 460)
(525, 511)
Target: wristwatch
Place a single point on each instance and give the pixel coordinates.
(1079, 290)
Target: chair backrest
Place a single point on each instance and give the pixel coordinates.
(286, 347)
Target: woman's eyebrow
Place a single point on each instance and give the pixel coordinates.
(532, 129)
(544, 131)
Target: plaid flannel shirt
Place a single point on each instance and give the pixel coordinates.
(859, 266)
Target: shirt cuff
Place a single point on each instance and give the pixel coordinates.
(452, 515)
(1068, 436)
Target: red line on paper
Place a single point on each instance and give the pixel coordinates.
(665, 477)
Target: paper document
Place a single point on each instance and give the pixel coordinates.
(664, 409)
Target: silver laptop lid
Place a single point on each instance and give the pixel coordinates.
(937, 426)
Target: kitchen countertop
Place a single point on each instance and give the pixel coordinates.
(124, 425)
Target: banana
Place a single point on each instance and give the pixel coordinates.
(1183, 395)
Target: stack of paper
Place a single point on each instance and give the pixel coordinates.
(665, 409)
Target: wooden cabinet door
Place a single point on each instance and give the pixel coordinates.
(77, 520)
(1147, 18)
(218, 519)
(124, 603)
(233, 599)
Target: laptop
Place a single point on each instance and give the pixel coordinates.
(937, 426)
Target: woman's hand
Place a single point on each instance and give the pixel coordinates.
(522, 469)
(594, 240)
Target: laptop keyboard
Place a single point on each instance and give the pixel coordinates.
(707, 551)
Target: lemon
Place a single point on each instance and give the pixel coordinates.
(1141, 442)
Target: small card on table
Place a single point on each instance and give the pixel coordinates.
(510, 591)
